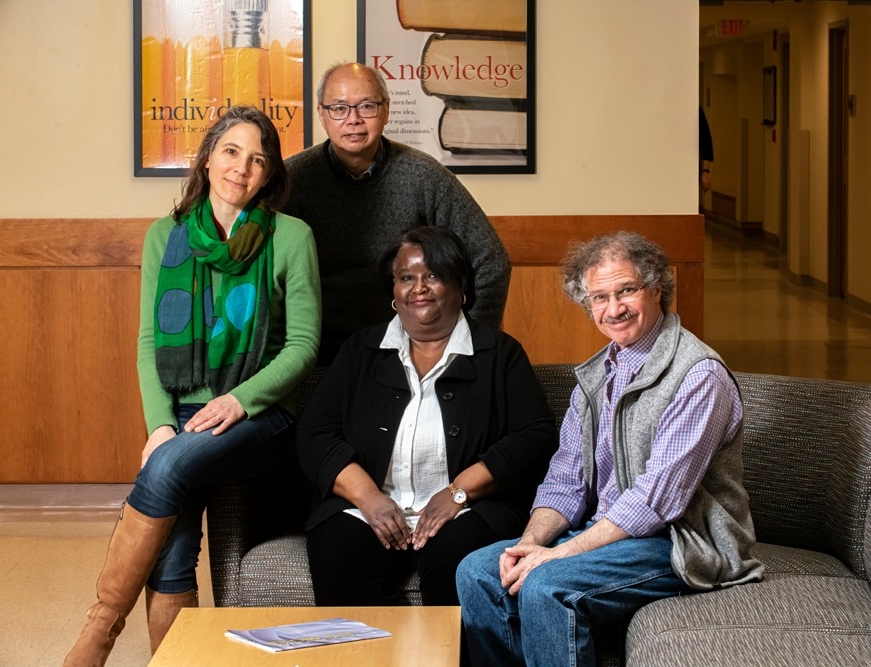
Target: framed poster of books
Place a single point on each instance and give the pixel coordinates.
(461, 75)
(192, 59)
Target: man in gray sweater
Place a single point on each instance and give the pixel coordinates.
(359, 190)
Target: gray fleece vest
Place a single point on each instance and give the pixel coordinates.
(712, 540)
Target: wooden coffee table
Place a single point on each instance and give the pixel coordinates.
(421, 636)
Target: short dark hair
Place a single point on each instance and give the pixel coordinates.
(444, 254)
(650, 261)
(272, 195)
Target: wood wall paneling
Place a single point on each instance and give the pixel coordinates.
(542, 239)
(551, 327)
(70, 403)
(72, 242)
(539, 315)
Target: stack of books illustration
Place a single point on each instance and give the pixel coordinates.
(475, 62)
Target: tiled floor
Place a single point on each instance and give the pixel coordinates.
(759, 321)
(53, 538)
(48, 568)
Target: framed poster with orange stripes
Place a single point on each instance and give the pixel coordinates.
(193, 59)
(461, 78)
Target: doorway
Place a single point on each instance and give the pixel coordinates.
(783, 231)
(837, 182)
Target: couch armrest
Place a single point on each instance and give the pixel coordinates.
(230, 536)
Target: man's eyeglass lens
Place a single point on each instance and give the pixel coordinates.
(342, 111)
(627, 294)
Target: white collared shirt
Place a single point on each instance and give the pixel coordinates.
(419, 465)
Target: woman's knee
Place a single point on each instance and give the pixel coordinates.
(166, 460)
(162, 484)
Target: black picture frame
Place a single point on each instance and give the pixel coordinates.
(470, 129)
(155, 154)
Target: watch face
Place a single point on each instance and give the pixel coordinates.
(459, 497)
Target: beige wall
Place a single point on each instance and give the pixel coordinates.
(616, 92)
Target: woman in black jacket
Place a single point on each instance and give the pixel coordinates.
(425, 440)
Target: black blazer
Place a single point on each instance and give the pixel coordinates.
(493, 408)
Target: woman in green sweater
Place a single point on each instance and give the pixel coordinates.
(229, 325)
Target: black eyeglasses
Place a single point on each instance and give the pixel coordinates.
(342, 111)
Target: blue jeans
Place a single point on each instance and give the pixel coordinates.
(548, 623)
(180, 474)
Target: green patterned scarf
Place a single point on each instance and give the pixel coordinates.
(196, 343)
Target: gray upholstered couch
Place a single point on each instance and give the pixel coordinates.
(807, 455)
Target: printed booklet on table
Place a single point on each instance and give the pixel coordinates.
(303, 635)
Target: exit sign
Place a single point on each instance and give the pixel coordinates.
(732, 27)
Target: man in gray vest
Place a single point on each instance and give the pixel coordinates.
(643, 499)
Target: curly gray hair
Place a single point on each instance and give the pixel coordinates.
(650, 262)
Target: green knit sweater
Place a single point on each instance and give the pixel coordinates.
(294, 325)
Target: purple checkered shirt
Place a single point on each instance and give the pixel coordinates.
(705, 414)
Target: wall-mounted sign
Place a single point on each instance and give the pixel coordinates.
(461, 78)
(732, 27)
(192, 59)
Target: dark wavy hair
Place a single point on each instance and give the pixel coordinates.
(650, 261)
(272, 195)
(444, 253)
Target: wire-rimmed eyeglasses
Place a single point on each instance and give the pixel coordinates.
(342, 111)
(600, 301)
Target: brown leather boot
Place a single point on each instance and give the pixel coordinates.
(133, 550)
(162, 608)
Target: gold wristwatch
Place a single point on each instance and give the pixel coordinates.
(458, 495)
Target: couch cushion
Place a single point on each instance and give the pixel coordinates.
(789, 619)
(276, 573)
(807, 463)
(789, 560)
